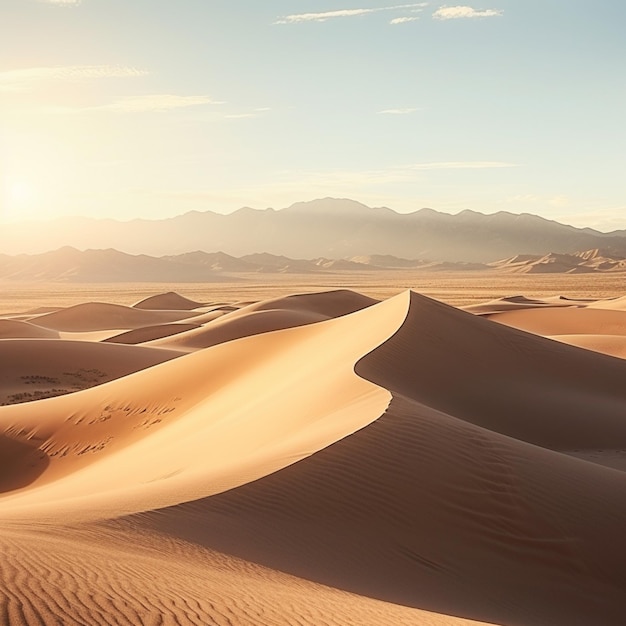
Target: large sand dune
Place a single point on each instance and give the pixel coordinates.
(103, 316)
(38, 368)
(319, 459)
(18, 329)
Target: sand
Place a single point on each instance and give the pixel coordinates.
(322, 458)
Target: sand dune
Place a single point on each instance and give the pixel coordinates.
(513, 303)
(597, 325)
(104, 316)
(322, 459)
(169, 301)
(151, 333)
(614, 345)
(228, 328)
(612, 304)
(565, 321)
(17, 329)
(266, 316)
(32, 369)
(587, 262)
(328, 303)
(195, 402)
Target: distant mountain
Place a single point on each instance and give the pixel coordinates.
(92, 266)
(329, 228)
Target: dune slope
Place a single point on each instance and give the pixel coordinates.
(298, 399)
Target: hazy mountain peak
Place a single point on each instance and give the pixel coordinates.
(329, 205)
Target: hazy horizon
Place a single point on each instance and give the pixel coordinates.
(153, 109)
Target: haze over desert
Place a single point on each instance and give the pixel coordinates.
(312, 314)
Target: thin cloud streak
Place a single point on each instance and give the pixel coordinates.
(461, 165)
(153, 103)
(326, 15)
(241, 116)
(397, 111)
(62, 3)
(259, 111)
(403, 20)
(24, 79)
(464, 12)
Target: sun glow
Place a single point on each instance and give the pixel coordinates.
(20, 192)
(18, 200)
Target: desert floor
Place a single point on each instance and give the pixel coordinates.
(359, 453)
(457, 289)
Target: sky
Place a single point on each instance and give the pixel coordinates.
(152, 108)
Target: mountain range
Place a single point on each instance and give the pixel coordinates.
(91, 266)
(330, 228)
(88, 266)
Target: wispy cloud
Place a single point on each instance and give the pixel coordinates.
(62, 3)
(460, 12)
(247, 114)
(327, 15)
(397, 111)
(28, 78)
(403, 20)
(460, 165)
(154, 102)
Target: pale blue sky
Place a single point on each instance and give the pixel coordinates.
(150, 108)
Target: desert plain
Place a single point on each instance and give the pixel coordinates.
(404, 448)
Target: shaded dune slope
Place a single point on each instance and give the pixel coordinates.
(509, 381)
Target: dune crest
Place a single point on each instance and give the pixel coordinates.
(195, 402)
